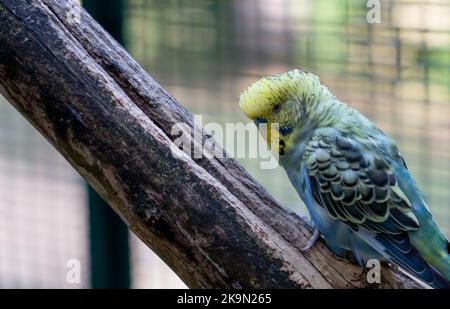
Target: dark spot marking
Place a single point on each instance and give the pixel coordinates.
(285, 130)
(379, 209)
(354, 211)
(331, 173)
(325, 187)
(281, 150)
(363, 162)
(392, 180)
(380, 164)
(259, 120)
(353, 156)
(367, 194)
(335, 153)
(382, 194)
(378, 177)
(349, 198)
(343, 143)
(337, 191)
(324, 166)
(342, 165)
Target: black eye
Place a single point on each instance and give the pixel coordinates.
(276, 108)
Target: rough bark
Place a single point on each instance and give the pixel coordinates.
(208, 219)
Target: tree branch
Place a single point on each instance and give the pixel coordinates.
(206, 218)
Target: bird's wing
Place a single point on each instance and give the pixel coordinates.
(357, 186)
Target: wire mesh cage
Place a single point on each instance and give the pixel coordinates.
(43, 224)
(205, 52)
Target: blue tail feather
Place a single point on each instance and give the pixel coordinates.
(402, 253)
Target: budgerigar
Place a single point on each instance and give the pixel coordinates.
(351, 177)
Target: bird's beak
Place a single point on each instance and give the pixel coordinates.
(269, 134)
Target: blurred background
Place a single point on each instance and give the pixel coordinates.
(205, 52)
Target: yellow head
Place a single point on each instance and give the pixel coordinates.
(282, 99)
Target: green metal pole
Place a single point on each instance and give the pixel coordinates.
(109, 242)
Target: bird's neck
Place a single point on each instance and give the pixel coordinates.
(327, 115)
(338, 115)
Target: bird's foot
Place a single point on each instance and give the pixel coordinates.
(312, 240)
(308, 221)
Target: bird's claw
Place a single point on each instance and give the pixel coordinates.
(312, 240)
(307, 221)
